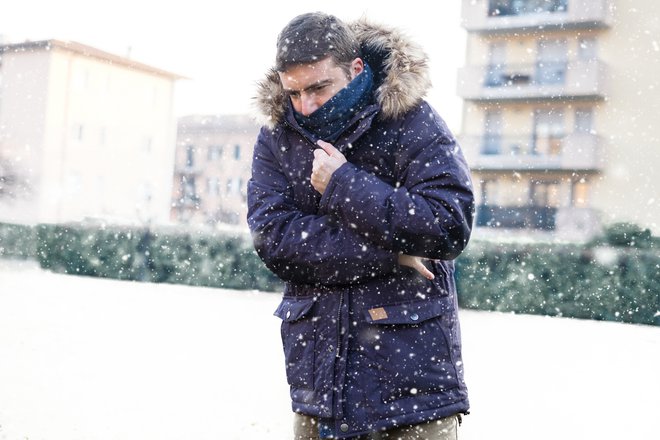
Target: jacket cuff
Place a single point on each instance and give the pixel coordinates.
(334, 186)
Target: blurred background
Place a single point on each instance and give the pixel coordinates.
(140, 113)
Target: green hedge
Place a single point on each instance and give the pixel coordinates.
(601, 283)
(627, 235)
(183, 257)
(615, 277)
(17, 241)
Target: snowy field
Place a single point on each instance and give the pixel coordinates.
(85, 358)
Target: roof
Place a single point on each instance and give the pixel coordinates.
(87, 51)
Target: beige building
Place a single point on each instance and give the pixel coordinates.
(87, 135)
(560, 118)
(213, 162)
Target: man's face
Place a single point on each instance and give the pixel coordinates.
(310, 85)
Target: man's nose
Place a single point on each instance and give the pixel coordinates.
(308, 104)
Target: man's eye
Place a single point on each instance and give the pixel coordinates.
(294, 95)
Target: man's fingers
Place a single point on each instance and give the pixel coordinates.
(416, 263)
(327, 147)
(319, 152)
(419, 266)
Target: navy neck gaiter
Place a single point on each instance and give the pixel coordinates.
(329, 120)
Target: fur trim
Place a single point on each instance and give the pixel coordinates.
(269, 101)
(404, 72)
(405, 64)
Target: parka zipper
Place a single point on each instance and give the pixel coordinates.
(341, 296)
(339, 324)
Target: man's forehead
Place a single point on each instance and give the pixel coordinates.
(308, 74)
(304, 79)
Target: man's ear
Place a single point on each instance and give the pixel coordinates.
(357, 66)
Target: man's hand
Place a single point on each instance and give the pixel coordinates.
(326, 161)
(415, 263)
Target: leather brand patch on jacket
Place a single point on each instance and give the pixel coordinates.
(378, 313)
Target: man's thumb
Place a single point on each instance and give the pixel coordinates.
(327, 147)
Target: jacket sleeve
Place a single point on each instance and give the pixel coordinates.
(301, 247)
(429, 211)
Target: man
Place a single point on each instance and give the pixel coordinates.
(355, 181)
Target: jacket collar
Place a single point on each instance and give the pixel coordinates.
(359, 124)
(400, 68)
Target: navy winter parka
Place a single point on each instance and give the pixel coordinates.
(368, 344)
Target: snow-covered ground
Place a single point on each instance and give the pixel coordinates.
(85, 358)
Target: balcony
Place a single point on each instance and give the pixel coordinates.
(188, 201)
(517, 217)
(533, 81)
(569, 223)
(576, 151)
(491, 16)
(189, 170)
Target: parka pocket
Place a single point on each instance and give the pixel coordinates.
(298, 335)
(410, 348)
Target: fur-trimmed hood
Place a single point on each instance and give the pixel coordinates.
(400, 68)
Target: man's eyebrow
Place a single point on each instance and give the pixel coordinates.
(323, 82)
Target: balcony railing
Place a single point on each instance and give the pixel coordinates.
(501, 8)
(187, 170)
(569, 222)
(188, 201)
(576, 151)
(502, 16)
(517, 217)
(541, 80)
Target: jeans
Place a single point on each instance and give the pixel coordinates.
(305, 428)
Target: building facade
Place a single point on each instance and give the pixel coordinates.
(560, 101)
(85, 135)
(213, 162)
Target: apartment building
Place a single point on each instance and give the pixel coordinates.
(213, 163)
(85, 135)
(561, 99)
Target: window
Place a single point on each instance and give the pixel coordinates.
(496, 64)
(188, 190)
(548, 132)
(213, 186)
(237, 151)
(492, 132)
(77, 132)
(190, 155)
(234, 185)
(544, 193)
(214, 152)
(552, 62)
(583, 120)
(489, 195)
(580, 193)
(587, 49)
(497, 8)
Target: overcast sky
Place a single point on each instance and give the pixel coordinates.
(224, 48)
